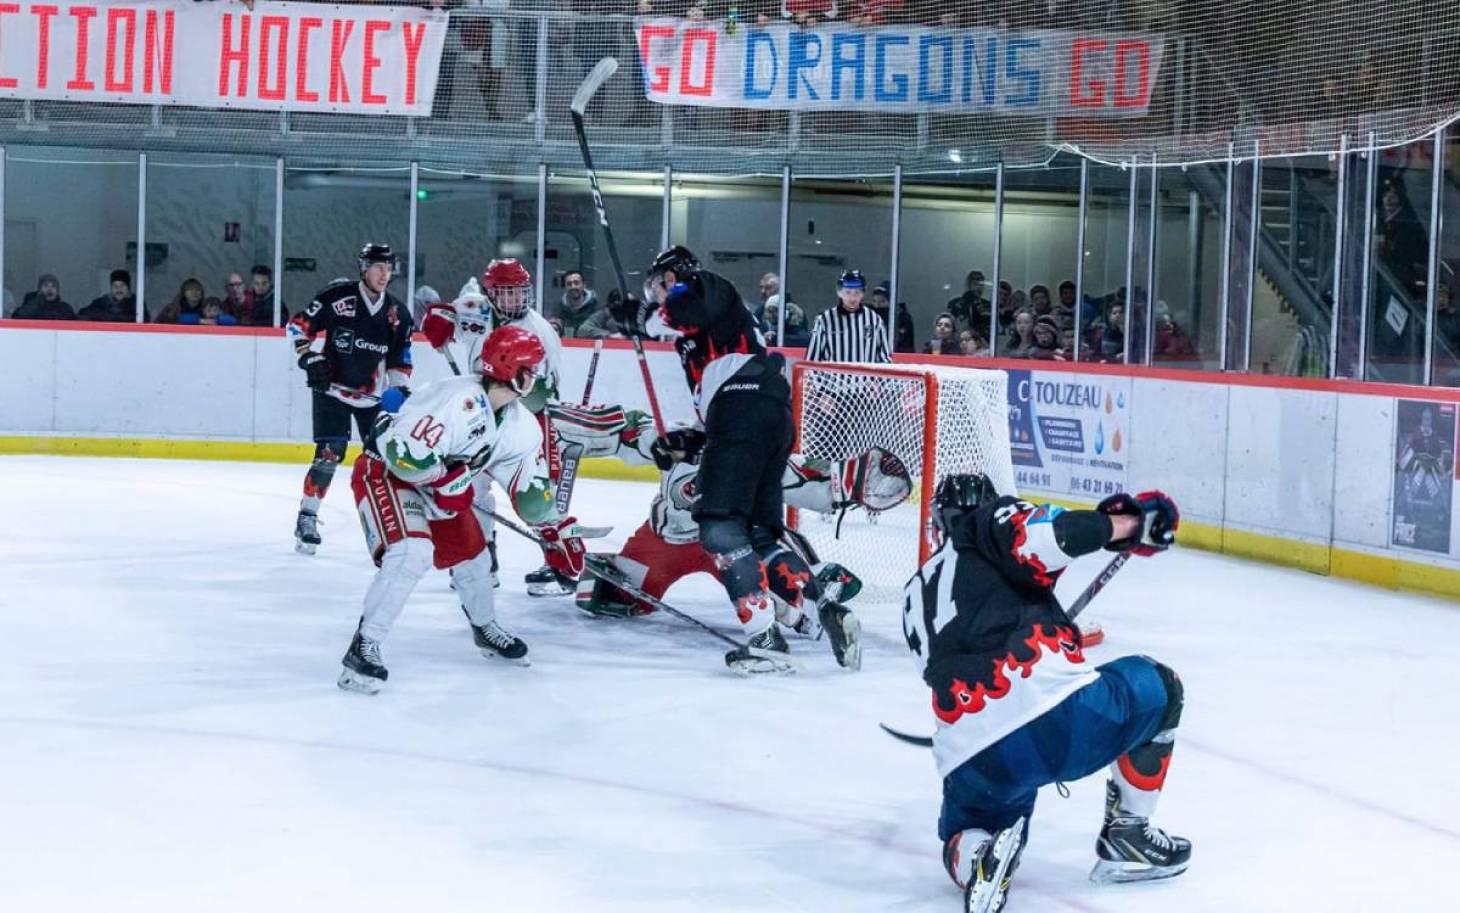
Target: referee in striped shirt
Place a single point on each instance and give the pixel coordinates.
(849, 332)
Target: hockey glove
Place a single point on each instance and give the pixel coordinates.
(440, 324)
(627, 313)
(563, 550)
(681, 445)
(452, 491)
(1158, 518)
(316, 370)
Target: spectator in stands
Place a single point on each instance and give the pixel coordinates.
(576, 304)
(487, 45)
(872, 13)
(557, 324)
(1447, 337)
(970, 307)
(118, 305)
(973, 344)
(601, 324)
(260, 312)
(1006, 304)
(1046, 339)
(904, 337)
(186, 306)
(808, 12)
(944, 340)
(1021, 335)
(796, 333)
(213, 313)
(45, 302)
(1064, 312)
(770, 293)
(237, 296)
(1400, 239)
(1039, 301)
(1067, 342)
(1018, 301)
(1170, 339)
(1110, 334)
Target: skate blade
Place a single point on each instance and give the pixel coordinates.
(304, 548)
(987, 894)
(360, 684)
(1109, 872)
(522, 660)
(548, 590)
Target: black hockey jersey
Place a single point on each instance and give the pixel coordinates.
(367, 349)
(981, 617)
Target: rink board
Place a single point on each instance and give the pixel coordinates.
(1290, 471)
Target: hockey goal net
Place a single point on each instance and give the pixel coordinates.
(938, 420)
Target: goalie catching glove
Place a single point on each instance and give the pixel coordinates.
(563, 547)
(877, 480)
(1158, 520)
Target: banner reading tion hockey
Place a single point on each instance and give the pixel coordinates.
(898, 68)
(279, 57)
(1069, 434)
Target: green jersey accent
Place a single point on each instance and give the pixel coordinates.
(535, 502)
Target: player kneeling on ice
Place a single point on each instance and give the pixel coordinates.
(666, 548)
(1017, 705)
(413, 488)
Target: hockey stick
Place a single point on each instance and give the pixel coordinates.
(573, 452)
(591, 84)
(1075, 608)
(351, 393)
(599, 566)
(450, 360)
(584, 532)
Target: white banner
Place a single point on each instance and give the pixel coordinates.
(1069, 433)
(844, 66)
(278, 57)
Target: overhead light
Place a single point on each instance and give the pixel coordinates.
(955, 156)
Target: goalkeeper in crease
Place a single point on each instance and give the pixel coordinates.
(666, 547)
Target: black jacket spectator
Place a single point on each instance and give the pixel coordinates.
(260, 307)
(45, 302)
(970, 307)
(117, 306)
(945, 336)
(1047, 339)
(576, 305)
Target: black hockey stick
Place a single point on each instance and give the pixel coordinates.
(600, 567)
(1075, 608)
(591, 84)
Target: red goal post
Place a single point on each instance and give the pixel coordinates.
(937, 419)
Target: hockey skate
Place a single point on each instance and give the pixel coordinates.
(1130, 849)
(765, 653)
(495, 643)
(992, 870)
(363, 670)
(547, 582)
(845, 633)
(306, 533)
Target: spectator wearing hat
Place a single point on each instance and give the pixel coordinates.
(970, 308)
(45, 302)
(850, 332)
(1047, 339)
(796, 333)
(118, 305)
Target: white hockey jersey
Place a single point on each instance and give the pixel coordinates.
(450, 422)
(475, 321)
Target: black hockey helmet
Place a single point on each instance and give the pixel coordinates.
(958, 494)
(678, 259)
(373, 253)
(851, 278)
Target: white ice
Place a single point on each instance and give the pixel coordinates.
(171, 737)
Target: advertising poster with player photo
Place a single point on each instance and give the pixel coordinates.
(1069, 434)
(1424, 472)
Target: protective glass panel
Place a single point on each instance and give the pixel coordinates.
(946, 264)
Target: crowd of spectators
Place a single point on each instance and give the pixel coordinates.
(240, 304)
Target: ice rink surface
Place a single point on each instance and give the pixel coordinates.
(171, 737)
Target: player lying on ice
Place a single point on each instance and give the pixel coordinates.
(1017, 705)
(666, 548)
(414, 485)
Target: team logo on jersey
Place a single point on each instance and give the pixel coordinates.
(344, 339)
(345, 307)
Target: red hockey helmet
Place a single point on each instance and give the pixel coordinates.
(511, 354)
(508, 286)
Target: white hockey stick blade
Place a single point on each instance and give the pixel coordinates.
(593, 82)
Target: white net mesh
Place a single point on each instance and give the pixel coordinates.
(842, 410)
